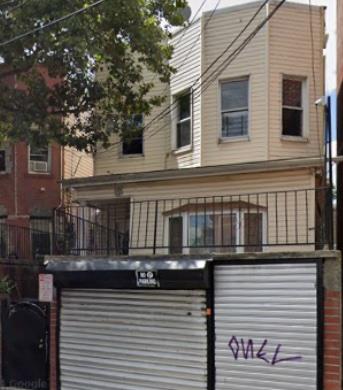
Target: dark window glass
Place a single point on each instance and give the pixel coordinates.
(183, 126)
(175, 235)
(253, 232)
(292, 109)
(234, 108)
(2, 160)
(291, 93)
(184, 106)
(134, 144)
(291, 122)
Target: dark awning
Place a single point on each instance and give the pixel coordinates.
(184, 273)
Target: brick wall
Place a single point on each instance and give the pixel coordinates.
(53, 346)
(332, 340)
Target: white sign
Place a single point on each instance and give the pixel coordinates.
(46, 287)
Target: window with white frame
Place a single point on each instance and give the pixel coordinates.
(39, 159)
(234, 108)
(232, 230)
(293, 106)
(133, 144)
(184, 119)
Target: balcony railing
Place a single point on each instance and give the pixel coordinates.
(265, 221)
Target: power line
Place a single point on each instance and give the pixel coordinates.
(233, 55)
(178, 41)
(313, 66)
(162, 113)
(52, 23)
(230, 58)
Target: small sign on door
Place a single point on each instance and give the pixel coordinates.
(46, 288)
(147, 279)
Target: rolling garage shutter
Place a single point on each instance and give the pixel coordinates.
(266, 327)
(133, 340)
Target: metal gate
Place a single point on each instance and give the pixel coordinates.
(25, 346)
(266, 326)
(133, 339)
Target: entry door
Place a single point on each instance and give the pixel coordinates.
(133, 340)
(266, 327)
(25, 351)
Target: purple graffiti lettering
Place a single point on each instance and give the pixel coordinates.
(276, 360)
(249, 348)
(262, 355)
(234, 351)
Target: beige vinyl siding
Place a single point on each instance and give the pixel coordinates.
(77, 164)
(255, 187)
(187, 61)
(251, 63)
(290, 54)
(154, 156)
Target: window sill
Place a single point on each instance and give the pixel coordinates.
(184, 149)
(294, 138)
(43, 174)
(136, 155)
(4, 173)
(224, 140)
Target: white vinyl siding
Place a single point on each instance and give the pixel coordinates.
(290, 54)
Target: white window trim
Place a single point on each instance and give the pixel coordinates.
(304, 137)
(245, 137)
(48, 172)
(239, 227)
(175, 121)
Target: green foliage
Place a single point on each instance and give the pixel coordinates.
(128, 36)
(6, 285)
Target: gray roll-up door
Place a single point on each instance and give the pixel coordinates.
(266, 327)
(133, 340)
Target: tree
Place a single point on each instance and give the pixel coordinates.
(56, 68)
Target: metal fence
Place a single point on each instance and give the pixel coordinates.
(226, 223)
(19, 242)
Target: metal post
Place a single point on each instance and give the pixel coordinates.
(330, 190)
(155, 226)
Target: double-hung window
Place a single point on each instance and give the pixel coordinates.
(133, 144)
(292, 107)
(184, 119)
(39, 159)
(234, 108)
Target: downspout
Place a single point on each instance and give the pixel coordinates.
(15, 180)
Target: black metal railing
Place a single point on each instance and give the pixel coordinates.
(220, 223)
(20, 242)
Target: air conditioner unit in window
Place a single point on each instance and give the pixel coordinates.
(38, 166)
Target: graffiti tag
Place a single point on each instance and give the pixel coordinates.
(246, 349)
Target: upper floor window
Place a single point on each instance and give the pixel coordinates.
(292, 107)
(3, 167)
(39, 159)
(133, 144)
(234, 108)
(184, 120)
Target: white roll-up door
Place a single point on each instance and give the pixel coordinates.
(266, 327)
(133, 340)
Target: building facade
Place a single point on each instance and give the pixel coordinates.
(236, 163)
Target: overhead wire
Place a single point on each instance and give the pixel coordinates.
(172, 106)
(52, 23)
(313, 71)
(234, 54)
